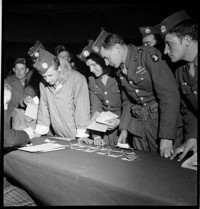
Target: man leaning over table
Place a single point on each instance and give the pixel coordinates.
(64, 99)
(180, 33)
(151, 114)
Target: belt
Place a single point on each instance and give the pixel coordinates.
(145, 111)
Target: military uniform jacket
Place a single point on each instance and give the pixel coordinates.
(150, 80)
(105, 97)
(66, 107)
(188, 88)
(19, 92)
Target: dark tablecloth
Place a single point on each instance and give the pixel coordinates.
(75, 177)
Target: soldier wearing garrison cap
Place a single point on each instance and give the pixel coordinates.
(33, 52)
(148, 38)
(87, 50)
(20, 61)
(44, 61)
(150, 94)
(22, 88)
(180, 33)
(105, 93)
(102, 36)
(145, 31)
(151, 37)
(64, 102)
(169, 22)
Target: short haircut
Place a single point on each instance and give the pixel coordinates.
(111, 40)
(187, 27)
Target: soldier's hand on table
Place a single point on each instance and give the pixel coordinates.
(166, 148)
(189, 145)
(98, 141)
(85, 140)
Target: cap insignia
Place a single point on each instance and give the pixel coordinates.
(36, 54)
(154, 58)
(86, 53)
(45, 65)
(96, 49)
(163, 29)
(147, 30)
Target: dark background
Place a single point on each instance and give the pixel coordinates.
(73, 24)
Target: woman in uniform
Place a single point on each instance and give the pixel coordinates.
(105, 94)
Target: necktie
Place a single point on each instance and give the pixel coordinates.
(191, 70)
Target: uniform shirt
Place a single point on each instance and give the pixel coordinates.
(19, 92)
(150, 80)
(188, 88)
(66, 108)
(105, 97)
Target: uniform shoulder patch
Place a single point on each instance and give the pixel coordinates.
(154, 58)
(153, 52)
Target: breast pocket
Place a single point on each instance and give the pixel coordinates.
(98, 92)
(143, 80)
(115, 89)
(186, 89)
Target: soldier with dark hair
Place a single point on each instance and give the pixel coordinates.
(105, 93)
(180, 33)
(151, 113)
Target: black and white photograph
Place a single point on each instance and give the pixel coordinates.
(100, 103)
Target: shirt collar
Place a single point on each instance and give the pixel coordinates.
(127, 56)
(131, 54)
(196, 61)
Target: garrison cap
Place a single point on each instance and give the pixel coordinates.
(145, 31)
(20, 61)
(34, 50)
(99, 41)
(86, 51)
(44, 61)
(168, 23)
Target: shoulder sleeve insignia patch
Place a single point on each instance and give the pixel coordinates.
(154, 58)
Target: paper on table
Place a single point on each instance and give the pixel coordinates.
(47, 147)
(191, 162)
(104, 116)
(121, 145)
(98, 123)
(61, 138)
